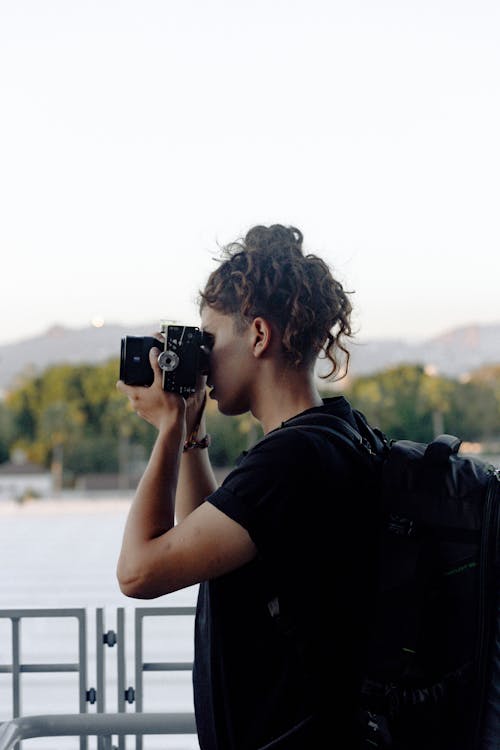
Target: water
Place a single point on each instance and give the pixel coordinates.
(62, 554)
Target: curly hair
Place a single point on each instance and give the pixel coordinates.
(267, 274)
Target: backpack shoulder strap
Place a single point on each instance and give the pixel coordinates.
(329, 422)
(363, 439)
(336, 429)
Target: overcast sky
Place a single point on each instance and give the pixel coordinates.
(136, 136)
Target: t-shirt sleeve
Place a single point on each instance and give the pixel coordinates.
(267, 493)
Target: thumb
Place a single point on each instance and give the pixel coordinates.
(154, 353)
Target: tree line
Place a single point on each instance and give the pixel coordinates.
(72, 417)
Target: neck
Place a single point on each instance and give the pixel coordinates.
(284, 395)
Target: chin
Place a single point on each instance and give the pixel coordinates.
(231, 410)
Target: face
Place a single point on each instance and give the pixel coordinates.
(231, 362)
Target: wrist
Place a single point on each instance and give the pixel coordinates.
(172, 432)
(196, 433)
(193, 443)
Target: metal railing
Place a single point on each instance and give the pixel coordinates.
(100, 724)
(104, 726)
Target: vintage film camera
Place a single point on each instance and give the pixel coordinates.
(185, 355)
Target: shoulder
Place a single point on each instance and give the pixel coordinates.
(284, 465)
(273, 458)
(269, 480)
(287, 452)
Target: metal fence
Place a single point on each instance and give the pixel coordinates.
(99, 723)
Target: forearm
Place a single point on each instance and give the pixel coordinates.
(196, 478)
(153, 509)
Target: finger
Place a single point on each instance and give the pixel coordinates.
(154, 353)
(128, 390)
(131, 392)
(120, 386)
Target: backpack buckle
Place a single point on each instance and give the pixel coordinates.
(401, 526)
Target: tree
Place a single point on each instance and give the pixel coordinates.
(6, 431)
(230, 435)
(476, 412)
(59, 426)
(405, 401)
(73, 414)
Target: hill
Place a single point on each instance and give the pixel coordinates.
(454, 353)
(59, 344)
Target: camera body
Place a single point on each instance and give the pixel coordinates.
(185, 355)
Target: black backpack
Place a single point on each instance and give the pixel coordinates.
(432, 658)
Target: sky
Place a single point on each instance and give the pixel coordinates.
(139, 136)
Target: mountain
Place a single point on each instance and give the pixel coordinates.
(454, 353)
(59, 344)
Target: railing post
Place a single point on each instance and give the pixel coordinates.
(16, 670)
(121, 676)
(82, 662)
(16, 667)
(100, 661)
(138, 672)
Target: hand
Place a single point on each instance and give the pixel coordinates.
(161, 409)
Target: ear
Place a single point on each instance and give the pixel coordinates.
(261, 332)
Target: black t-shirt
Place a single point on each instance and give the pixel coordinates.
(298, 496)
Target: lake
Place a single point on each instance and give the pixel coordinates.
(62, 554)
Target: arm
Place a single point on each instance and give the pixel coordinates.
(196, 477)
(158, 557)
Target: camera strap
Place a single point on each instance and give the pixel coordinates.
(191, 441)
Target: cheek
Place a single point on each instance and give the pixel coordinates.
(231, 363)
